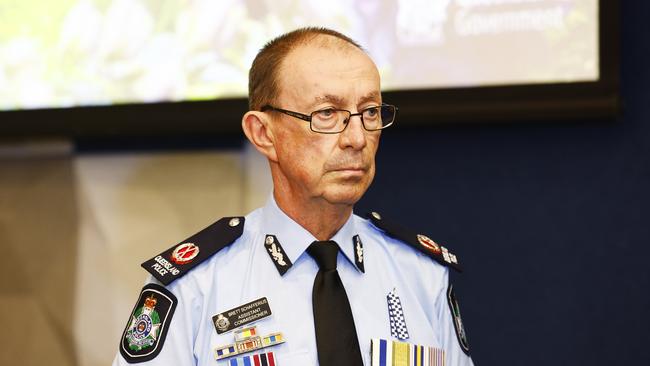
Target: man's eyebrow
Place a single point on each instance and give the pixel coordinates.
(371, 97)
(336, 100)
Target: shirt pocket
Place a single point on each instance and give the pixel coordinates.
(296, 358)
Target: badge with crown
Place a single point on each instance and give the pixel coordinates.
(145, 325)
(146, 329)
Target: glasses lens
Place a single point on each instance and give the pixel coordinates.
(376, 118)
(329, 120)
(372, 118)
(388, 113)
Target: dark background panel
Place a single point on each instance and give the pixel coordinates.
(551, 222)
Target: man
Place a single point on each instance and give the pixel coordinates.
(303, 281)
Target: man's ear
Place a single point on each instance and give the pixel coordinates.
(256, 126)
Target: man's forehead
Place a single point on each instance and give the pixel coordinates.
(322, 44)
(313, 72)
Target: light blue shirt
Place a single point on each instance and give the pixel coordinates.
(244, 271)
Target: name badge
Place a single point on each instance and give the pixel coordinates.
(241, 315)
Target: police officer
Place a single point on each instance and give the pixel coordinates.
(303, 280)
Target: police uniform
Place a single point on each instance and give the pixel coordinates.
(254, 272)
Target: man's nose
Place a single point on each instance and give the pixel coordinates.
(354, 135)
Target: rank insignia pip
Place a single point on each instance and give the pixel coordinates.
(147, 328)
(396, 317)
(247, 340)
(358, 253)
(277, 254)
(394, 353)
(458, 322)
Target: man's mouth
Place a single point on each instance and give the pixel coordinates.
(350, 172)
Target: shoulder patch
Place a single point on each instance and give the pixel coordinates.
(148, 324)
(458, 322)
(418, 241)
(176, 261)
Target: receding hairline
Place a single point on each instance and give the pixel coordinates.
(326, 40)
(267, 77)
(323, 40)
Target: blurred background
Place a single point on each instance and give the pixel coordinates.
(522, 143)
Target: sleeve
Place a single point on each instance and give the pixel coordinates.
(453, 336)
(161, 328)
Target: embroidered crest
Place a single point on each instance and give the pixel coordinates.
(277, 254)
(396, 317)
(458, 322)
(358, 253)
(146, 330)
(393, 353)
(429, 244)
(184, 253)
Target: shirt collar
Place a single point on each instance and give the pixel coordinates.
(294, 239)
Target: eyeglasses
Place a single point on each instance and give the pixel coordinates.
(332, 120)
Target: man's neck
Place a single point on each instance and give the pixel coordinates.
(321, 218)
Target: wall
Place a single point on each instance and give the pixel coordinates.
(551, 222)
(74, 229)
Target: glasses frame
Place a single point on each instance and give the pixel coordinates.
(308, 117)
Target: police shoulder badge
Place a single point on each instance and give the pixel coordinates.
(178, 260)
(147, 327)
(458, 322)
(420, 242)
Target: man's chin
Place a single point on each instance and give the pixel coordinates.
(345, 194)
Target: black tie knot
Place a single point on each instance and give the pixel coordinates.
(324, 253)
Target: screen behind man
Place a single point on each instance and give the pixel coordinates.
(302, 280)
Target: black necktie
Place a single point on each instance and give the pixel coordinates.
(336, 336)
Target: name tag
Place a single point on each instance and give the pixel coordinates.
(241, 315)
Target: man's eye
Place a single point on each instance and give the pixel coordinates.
(326, 113)
(371, 112)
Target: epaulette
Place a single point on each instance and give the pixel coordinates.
(176, 261)
(418, 241)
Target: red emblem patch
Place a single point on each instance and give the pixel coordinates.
(184, 253)
(429, 244)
